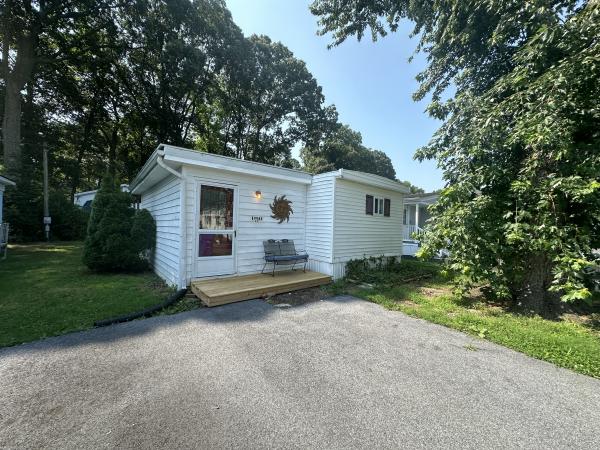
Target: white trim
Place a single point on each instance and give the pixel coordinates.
(227, 166)
(6, 182)
(426, 199)
(372, 180)
(179, 156)
(194, 156)
(79, 194)
(333, 219)
(182, 231)
(199, 181)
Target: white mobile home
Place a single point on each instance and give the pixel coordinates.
(213, 213)
(85, 199)
(3, 183)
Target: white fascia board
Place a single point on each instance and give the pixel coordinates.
(425, 200)
(193, 158)
(145, 170)
(6, 182)
(372, 180)
(79, 194)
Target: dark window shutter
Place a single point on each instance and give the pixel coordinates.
(386, 207)
(369, 205)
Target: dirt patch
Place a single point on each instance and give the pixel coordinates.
(409, 303)
(297, 298)
(590, 320)
(433, 292)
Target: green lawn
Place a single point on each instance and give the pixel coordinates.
(566, 343)
(45, 290)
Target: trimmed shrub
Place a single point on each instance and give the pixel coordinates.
(143, 232)
(116, 240)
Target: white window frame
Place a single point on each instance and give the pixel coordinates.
(378, 206)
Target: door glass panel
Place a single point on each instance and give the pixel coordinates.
(214, 245)
(216, 208)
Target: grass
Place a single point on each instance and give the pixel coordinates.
(566, 343)
(46, 291)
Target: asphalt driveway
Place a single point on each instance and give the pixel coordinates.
(334, 374)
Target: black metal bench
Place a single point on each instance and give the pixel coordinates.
(282, 252)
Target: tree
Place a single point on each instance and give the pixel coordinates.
(117, 238)
(32, 32)
(520, 138)
(266, 102)
(343, 149)
(413, 189)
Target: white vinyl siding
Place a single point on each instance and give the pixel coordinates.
(250, 235)
(319, 222)
(357, 234)
(163, 202)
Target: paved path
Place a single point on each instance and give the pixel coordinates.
(334, 374)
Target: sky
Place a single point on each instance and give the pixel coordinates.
(370, 83)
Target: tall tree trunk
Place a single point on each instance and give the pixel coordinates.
(11, 131)
(532, 293)
(14, 82)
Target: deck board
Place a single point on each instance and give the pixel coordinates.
(219, 291)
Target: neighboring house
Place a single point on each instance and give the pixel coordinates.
(3, 183)
(415, 217)
(85, 199)
(213, 213)
(3, 226)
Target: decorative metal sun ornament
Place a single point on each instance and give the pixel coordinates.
(281, 209)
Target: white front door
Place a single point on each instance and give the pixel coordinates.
(215, 240)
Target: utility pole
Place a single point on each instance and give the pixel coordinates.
(47, 218)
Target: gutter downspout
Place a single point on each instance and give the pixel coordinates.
(182, 218)
(160, 160)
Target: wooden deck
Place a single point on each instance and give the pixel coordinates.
(219, 291)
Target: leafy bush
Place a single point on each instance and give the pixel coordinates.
(389, 270)
(117, 239)
(24, 210)
(69, 222)
(143, 230)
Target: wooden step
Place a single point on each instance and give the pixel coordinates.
(220, 291)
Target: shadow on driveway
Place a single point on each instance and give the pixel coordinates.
(339, 373)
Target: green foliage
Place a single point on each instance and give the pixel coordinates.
(343, 149)
(413, 189)
(520, 138)
(143, 230)
(47, 291)
(25, 211)
(102, 82)
(266, 103)
(117, 240)
(389, 270)
(69, 222)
